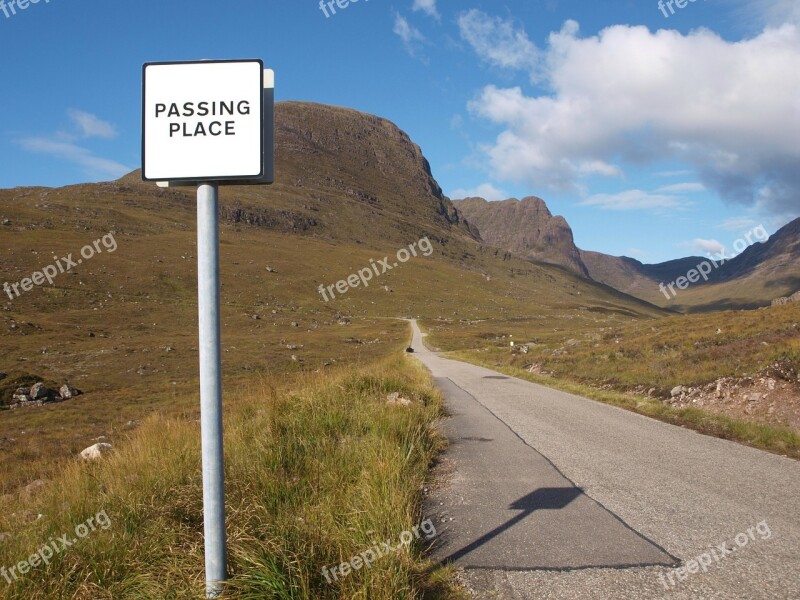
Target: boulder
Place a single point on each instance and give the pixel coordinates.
(66, 391)
(395, 399)
(39, 392)
(677, 391)
(21, 395)
(96, 451)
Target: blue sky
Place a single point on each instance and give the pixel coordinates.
(655, 136)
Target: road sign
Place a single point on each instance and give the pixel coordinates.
(203, 121)
(208, 123)
(269, 141)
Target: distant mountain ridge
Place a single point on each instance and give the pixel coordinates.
(763, 271)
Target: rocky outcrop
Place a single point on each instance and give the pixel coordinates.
(772, 395)
(525, 228)
(39, 394)
(787, 299)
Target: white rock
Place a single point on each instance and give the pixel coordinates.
(96, 451)
(395, 399)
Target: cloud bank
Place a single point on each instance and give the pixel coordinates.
(729, 111)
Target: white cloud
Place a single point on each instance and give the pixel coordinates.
(62, 145)
(707, 246)
(487, 191)
(637, 253)
(91, 126)
(426, 6)
(728, 110)
(679, 173)
(599, 167)
(634, 200)
(737, 224)
(770, 12)
(411, 36)
(497, 41)
(682, 187)
(93, 165)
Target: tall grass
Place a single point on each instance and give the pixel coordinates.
(316, 472)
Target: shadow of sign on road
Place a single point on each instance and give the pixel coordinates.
(488, 517)
(541, 499)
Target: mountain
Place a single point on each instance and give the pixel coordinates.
(633, 277)
(762, 272)
(346, 176)
(525, 227)
(352, 191)
(774, 259)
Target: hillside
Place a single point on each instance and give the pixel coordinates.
(762, 272)
(122, 327)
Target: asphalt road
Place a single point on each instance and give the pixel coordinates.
(544, 494)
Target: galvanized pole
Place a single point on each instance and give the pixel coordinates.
(211, 388)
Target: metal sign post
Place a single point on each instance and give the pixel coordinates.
(209, 123)
(211, 388)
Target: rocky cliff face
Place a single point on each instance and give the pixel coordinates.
(526, 228)
(339, 153)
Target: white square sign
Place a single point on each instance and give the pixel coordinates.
(202, 121)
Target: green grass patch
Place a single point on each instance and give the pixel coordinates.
(318, 469)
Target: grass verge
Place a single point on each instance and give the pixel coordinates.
(317, 471)
(776, 439)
